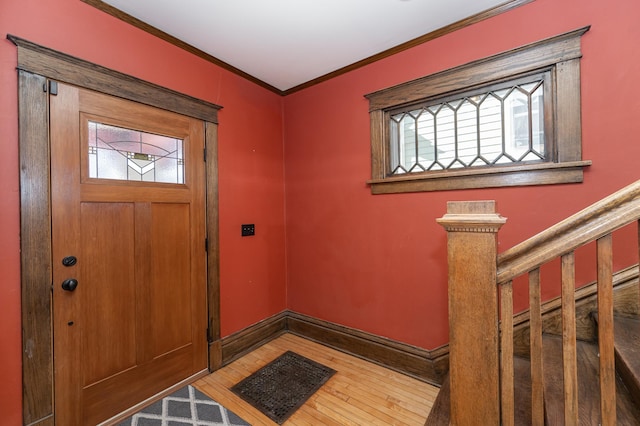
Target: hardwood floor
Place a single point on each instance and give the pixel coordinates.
(360, 393)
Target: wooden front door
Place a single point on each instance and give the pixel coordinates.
(129, 261)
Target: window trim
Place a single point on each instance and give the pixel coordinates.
(561, 54)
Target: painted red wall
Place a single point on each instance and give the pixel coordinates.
(378, 262)
(250, 163)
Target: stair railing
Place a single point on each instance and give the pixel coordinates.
(481, 346)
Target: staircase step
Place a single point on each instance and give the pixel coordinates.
(440, 412)
(588, 386)
(627, 346)
(439, 415)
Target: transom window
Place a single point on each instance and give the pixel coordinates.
(500, 125)
(126, 154)
(508, 120)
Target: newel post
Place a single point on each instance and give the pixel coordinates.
(472, 228)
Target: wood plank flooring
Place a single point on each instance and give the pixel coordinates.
(360, 393)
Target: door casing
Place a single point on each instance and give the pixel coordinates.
(37, 66)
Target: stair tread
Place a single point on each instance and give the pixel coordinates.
(627, 347)
(588, 386)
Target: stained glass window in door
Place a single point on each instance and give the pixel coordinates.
(126, 154)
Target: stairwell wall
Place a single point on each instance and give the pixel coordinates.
(378, 262)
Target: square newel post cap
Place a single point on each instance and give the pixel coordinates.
(471, 216)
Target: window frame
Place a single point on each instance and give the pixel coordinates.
(560, 55)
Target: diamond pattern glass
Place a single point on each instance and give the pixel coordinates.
(500, 126)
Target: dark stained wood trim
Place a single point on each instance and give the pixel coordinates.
(505, 7)
(35, 248)
(125, 17)
(69, 69)
(213, 246)
(557, 57)
(421, 364)
(244, 341)
(47, 421)
(500, 177)
(505, 65)
(215, 355)
(35, 65)
(117, 13)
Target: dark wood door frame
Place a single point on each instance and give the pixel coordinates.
(38, 66)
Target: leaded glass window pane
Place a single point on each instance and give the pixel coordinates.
(501, 125)
(126, 154)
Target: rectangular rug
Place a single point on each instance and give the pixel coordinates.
(281, 387)
(185, 407)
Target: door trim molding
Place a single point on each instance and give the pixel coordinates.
(59, 66)
(36, 65)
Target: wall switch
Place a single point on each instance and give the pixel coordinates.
(248, 230)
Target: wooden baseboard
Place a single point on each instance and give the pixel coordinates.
(422, 364)
(244, 341)
(425, 365)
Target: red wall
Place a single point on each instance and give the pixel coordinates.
(250, 163)
(378, 262)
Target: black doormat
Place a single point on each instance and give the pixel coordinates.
(281, 387)
(185, 407)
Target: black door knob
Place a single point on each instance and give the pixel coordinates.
(69, 284)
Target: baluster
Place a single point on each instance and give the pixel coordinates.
(506, 354)
(535, 342)
(569, 340)
(605, 331)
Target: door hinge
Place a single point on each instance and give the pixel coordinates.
(53, 88)
(204, 151)
(206, 245)
(209, 337)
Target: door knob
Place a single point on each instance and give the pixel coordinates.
(69, 284)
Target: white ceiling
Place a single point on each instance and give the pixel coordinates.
(286, 43)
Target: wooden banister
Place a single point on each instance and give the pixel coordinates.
(481, 370)
(601, 218)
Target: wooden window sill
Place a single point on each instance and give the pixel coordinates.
(486, 177)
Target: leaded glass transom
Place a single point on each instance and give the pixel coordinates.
(500, 126)
(125, 154)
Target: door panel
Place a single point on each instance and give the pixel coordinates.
(170, 252)
(109, 302)
(136, 323)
